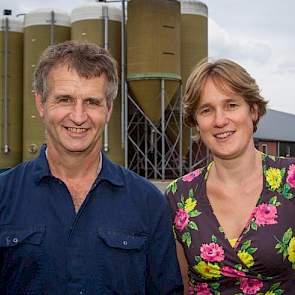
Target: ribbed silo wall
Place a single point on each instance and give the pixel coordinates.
(11, 91)
(153, 52)
(88, 24)
(41, 29)
(194, 47)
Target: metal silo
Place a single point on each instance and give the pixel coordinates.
(101, 24)
(11, 86)
(153, 52)
(194, 47)
(42, 28)
(194, 35)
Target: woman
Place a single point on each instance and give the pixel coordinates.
(234, 218)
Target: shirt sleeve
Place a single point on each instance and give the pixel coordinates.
(164, 275)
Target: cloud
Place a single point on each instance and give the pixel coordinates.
(239, 48)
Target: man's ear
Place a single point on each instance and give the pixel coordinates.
(109, 114)
(39, 105)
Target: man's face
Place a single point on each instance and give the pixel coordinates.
(75, 111)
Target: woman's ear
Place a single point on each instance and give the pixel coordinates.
(254, 112)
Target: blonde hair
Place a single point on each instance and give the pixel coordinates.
(225, 74)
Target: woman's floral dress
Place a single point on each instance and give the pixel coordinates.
(263, 259)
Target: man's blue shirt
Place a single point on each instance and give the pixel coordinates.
(119, 242)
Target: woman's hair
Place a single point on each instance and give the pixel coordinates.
(227, 75)
(88, 59)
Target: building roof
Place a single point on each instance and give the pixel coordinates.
(275, 125)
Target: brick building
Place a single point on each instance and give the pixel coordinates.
(276, 134)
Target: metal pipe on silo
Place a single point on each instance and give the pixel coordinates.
(124, 90)
(5, 102)
(106, 46)
(11, 60)
(180, 134)
(163, 126)
(52, 25)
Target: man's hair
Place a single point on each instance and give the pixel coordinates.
(88, 59)
(226, 75)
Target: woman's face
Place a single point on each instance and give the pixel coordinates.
(225, 122)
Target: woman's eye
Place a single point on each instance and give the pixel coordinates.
(205, 111)
(232, 106)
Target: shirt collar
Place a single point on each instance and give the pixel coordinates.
(110, 171)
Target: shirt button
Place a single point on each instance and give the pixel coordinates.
(125, 243)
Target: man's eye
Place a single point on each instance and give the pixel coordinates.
(92, 102)
(63, 100)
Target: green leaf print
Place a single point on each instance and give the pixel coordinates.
(214, 286)
(214, 239)
(287, 236)
(286, 192)
(180, 205)
(274, 286)
(246, 245)
(239, 267)
(251, 250)
(198, 259)
(186, 238)
(274, 201)
(193, 225)
(172, 187)
(194, 213)
(253, 225)
(191, 193)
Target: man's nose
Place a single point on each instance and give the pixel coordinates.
(78, 114)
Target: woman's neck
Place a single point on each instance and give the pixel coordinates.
(237, 171)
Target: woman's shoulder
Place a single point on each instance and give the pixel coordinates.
(188, 183)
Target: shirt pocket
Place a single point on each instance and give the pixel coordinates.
(14, 236)
(21, 255)
(124, 261)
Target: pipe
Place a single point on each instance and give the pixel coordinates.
(180, 133)
(52, 24)
(106, 46)
(124, 97)
(163, 126)
(5, 100)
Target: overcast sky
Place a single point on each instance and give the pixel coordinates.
(258, 34)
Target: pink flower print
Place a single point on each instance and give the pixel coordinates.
(291, 175)
(228, 271)
(181, 219)
(189, 177)
(212, 252)
(203, 289)
(199, 288)
(265, 214)
(250, 286)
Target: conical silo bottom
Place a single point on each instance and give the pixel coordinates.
(147, 94)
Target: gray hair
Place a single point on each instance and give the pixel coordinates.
(88, 59)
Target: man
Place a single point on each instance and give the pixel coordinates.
(71, 221)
